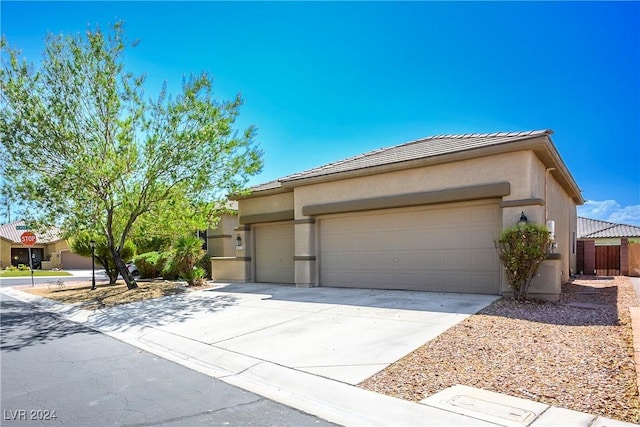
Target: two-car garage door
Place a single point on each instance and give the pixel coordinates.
(447, 248)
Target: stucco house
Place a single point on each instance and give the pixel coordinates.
(50, 251)
(417, 216)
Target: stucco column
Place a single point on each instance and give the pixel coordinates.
(236, 268)
(305, 252)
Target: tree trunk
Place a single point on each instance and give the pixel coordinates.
(121, 267)
(111, 272)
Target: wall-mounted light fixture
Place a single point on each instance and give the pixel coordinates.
(238, 242)
(523, 219)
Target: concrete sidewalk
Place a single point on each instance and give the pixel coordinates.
(307, 348)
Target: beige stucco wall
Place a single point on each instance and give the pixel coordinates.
(52, 252)
(511, 168)
(226, 269)
(557, 206)
(5, 253)
(221, 240)
(561, 209)
(528, 192)
(267, 204)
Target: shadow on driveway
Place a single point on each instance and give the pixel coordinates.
(24, 325)
(159, 311)
(441, 302)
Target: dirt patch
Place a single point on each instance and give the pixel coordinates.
(110, 295)
(563, 354)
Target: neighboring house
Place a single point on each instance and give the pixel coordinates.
(50, 250)
(604, 248)
(419, 216)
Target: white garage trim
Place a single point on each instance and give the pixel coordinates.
(447, 248)
(274, 252)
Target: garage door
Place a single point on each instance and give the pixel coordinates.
(73, 261)
(274, 253)
(446, 248)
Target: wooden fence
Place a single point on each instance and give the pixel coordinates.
(608, 260)
(634, 259)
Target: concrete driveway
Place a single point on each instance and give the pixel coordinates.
(306, 348)
(342, 334)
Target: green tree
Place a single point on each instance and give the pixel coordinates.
(86, 150)
(80, 244)
(522, 249)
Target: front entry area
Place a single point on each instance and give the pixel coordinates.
(445, 248)
(21, 256)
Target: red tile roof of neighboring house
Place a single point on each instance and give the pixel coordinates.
(597, 229)
(10, 232)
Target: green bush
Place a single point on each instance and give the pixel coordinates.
(149, 265)
(11, 268)
(23, 267)
(522, 249)
(187, 253)
(169, 265)
(205, 263)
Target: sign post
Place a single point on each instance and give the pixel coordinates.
(29, 239)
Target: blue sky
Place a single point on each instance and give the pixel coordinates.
(324, 81)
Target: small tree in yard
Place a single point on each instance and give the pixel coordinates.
(522, 249)
(87, 149)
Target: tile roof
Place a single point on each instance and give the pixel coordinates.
(597, 229)
(419, 149)
(9, 232)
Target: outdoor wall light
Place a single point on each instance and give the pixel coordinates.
(238, 242)
(523, 219)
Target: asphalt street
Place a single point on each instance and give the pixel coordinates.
(59, 373)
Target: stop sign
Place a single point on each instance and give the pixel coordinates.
(28, 238)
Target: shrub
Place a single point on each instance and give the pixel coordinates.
(187, 253)
(149, 264)
(205, 263)
(522, 249)
(23, 267)
(169, 266)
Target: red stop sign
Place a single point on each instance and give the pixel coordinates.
(28, 238)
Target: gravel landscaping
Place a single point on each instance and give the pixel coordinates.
(575, 354)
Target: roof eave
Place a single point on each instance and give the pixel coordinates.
(261, 193)
(540, 144)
